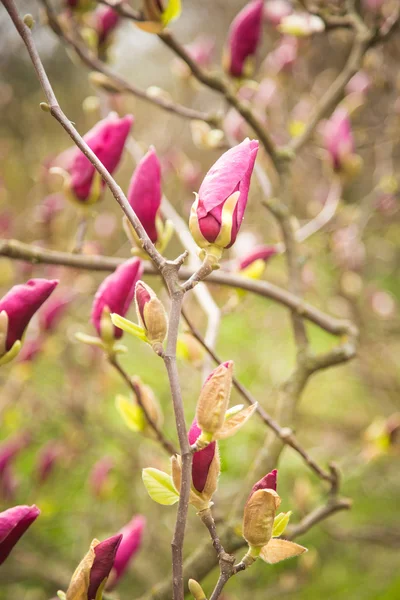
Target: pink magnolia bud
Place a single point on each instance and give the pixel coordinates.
(144, 193)
(202, 459)
(217, 212)
(20, 304)
(285, 54)
(13, 524)
(9, 450)
(259, 253)
(151, 314)
(244, 37)
(276, 10)
(99, 477)
(106, 20)
(49, 208)
(106, 140)
(116, 293)
(105, 554)
(132, 535)
(268, 482)
(201, 50)
(338, 139)
(47, 460)
(52, 312)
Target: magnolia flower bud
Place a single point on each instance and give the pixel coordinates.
(244, 37)
(130, 544)
(92, 573)
(82, 182)
(151, 314)
(204, 136)
(201, 50)
(144, 193)
(218, 210)
(339, 142)
(47, 460)
(100, 476)
(259, 515)
(115, 294)
(252, 264)
(13, 524)
(17, 308)
(214, 399)
(276, 10)
(106, 20)
(149, 401)
(196, 590)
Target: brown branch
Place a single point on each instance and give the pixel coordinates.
(19, 251)
(55, 110)
(119, 83)
(204, 559)
(168, 446)
(211, 80)
(284, 433)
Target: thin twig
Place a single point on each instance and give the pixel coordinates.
(117, 81)
(167, 445)
(19, 251)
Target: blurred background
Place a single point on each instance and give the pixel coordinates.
(60, 402)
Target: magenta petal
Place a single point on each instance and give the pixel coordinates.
(202, 459)
(244, 36)
(116, 292)
(103, 563)
(258, 253)
(13, 524)
(338, 137)
(142, 298)
(268, 482)
(144, 193)
(132, 535)
(225, 176)
(106, 140)
(106, 21)
(21, 303)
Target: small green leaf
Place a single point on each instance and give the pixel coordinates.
(172, 11)
(128, 326)
(131, 413)
(233, 411)
(159, 486)
(91, 340)
(280, 523)
(62, 595)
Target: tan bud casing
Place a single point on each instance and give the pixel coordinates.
(214, 399)
(259, 515)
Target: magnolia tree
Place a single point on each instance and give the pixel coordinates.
(250, 148)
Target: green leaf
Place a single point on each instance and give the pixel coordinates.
(172, 11)
(160, 486)
(131, 413)
(280, 523)
(128, 326)
(233, 411)
(62, 595)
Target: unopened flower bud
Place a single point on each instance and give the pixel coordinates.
(17, 308)
(214, 399)
(259, 511)
(105, 83)
(92, 573)
(132, 535)
(218, 210)
(301, 25)
(151, 314)
(13, 524)
(259, 515)
(115, 294)
(244, 38)
(204, 136)
(148, 400)
(196, 590)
